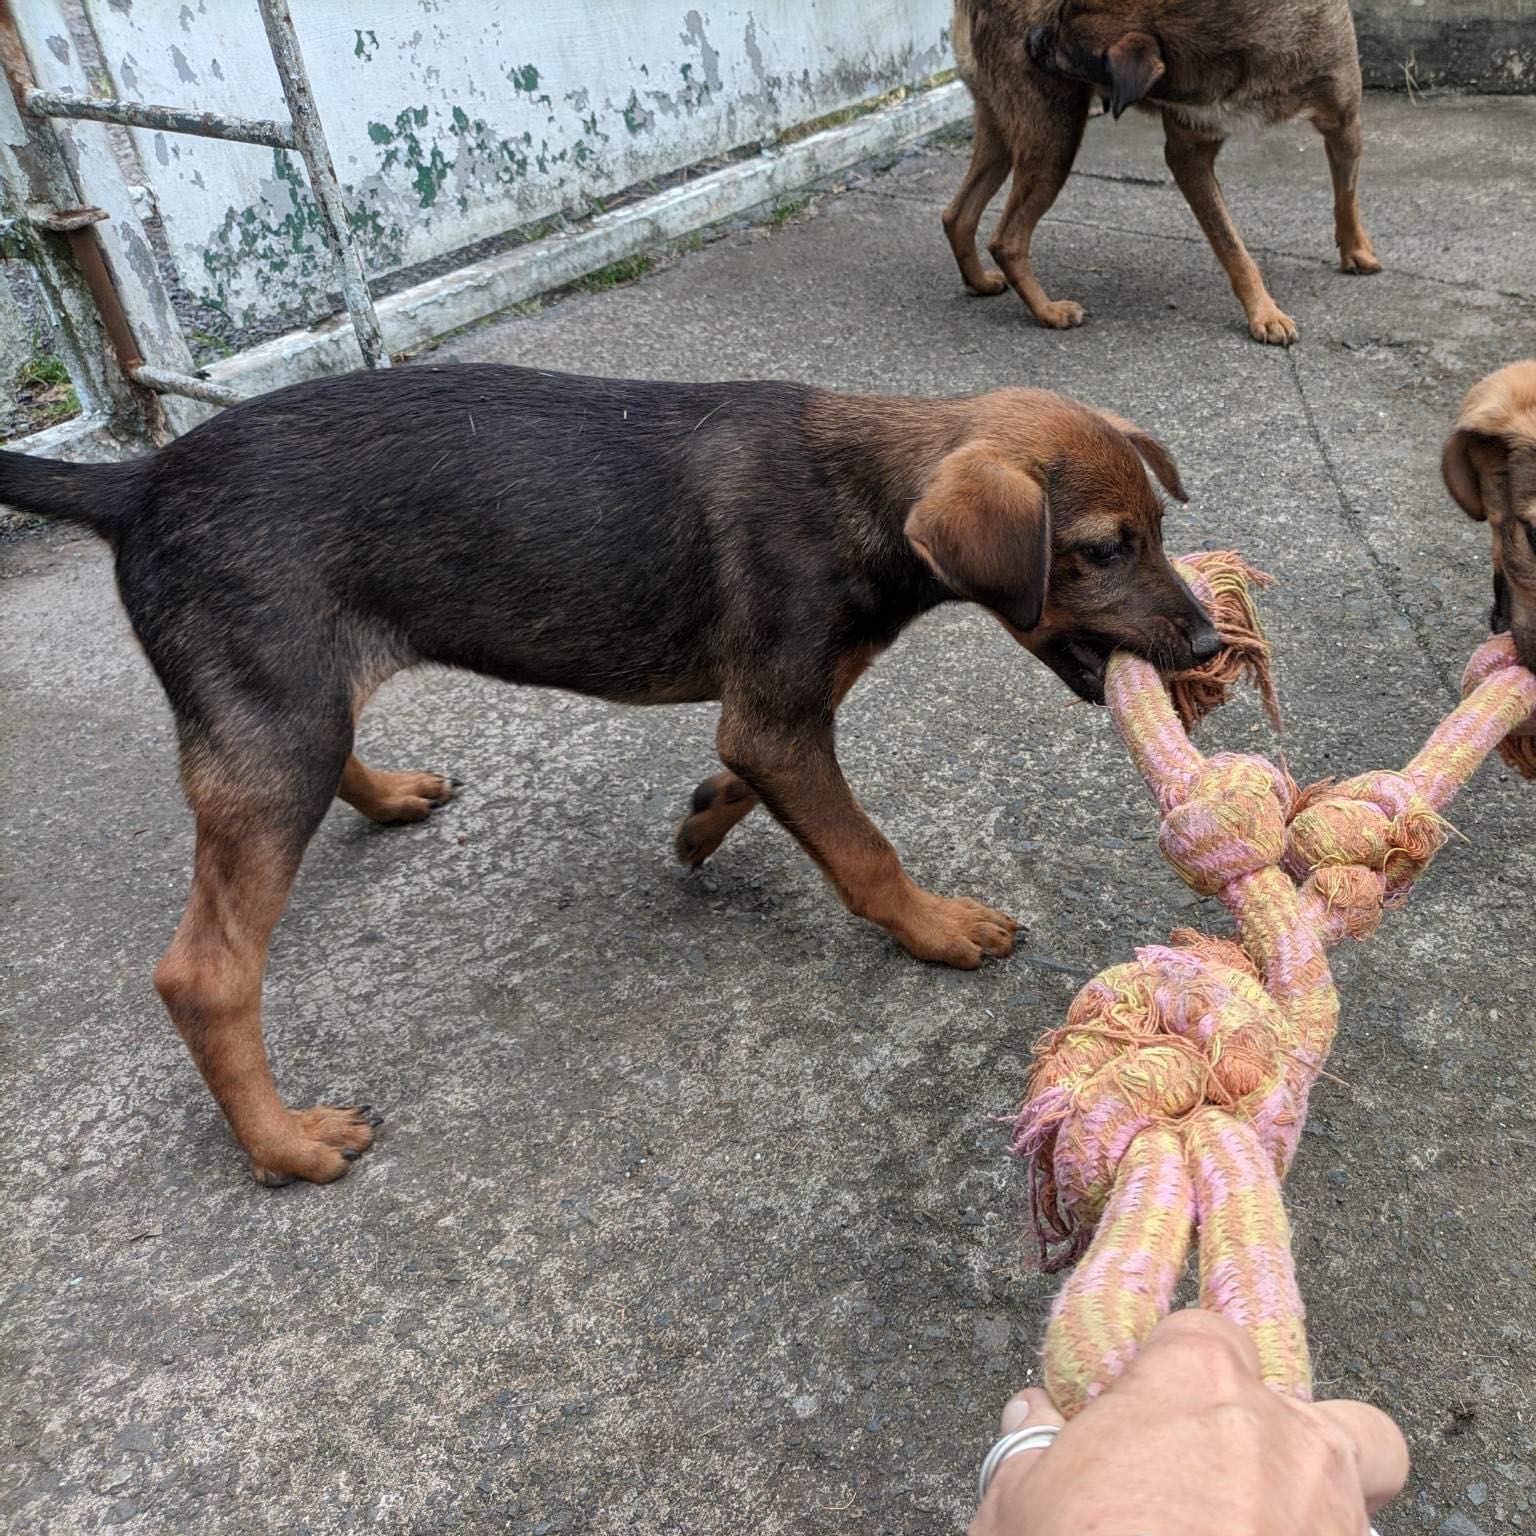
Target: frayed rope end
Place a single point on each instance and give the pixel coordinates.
(1223, 582)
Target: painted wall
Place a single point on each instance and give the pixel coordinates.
(451, 121)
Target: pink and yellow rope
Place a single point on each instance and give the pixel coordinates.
(1170, 1103)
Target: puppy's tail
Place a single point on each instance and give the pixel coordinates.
(101, 497)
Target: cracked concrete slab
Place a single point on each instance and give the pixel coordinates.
(691, 1212)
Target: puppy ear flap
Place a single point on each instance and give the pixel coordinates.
(1153, 453)
(1135, 66)
(983, 528)
(1468, 455)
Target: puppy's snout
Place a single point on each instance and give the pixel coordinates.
(1204, 642)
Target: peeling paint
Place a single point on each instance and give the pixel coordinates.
(455, 132)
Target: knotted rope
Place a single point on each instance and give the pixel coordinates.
(1170, 1103)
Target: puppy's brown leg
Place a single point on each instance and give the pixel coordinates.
(1344, 143)
(1191, 156)
(797, 775)
(987, 171)
(1041, 166)
(718, 804)
(392, 797)
(250, 839)
(723, 799)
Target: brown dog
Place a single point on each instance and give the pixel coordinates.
(1489, 466)
(648, 543)
(1034, 67)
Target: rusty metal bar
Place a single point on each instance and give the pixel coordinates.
(309, 137)
(167, 381)
(135, 114)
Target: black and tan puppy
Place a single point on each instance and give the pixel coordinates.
(754, 543)
(1207, 66)
(1489, 466)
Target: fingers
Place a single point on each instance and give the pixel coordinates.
(1380, 1450)
(1029, 1407)
(1199, 1349)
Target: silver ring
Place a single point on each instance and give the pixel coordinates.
(1033, 1437)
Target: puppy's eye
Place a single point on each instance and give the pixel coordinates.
(1530, 535)
(1105, 552)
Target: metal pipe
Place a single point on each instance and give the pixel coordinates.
(136, 114)
(309, 139)
(86, 249)
(167, 381)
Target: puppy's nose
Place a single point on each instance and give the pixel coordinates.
(1205, 643)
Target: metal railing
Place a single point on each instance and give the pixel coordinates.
(302, 133)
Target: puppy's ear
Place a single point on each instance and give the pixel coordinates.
(1135, 66)
(1467, 458)
(1153, 453)
(983, 528)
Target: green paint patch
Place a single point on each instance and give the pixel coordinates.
(614, 275)
(366, 46)
(525, 79)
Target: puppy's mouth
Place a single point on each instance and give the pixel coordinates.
(1079, 660)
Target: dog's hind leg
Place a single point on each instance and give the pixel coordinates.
(988, 170)
(1191, 156)
(258, 791)
(1040, 170)
(392, 797)
(1344, 143)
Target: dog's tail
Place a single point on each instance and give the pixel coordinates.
(101, 497)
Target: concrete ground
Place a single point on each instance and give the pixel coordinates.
(691, 1213)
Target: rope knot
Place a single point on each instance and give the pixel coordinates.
(1230, 822)
(1146, 1043)
(1359, 844)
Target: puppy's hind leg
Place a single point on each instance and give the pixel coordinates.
(258, 794)
(987, 171)
(393, 797)
(1344, 143)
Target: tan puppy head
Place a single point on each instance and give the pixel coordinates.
(1045, 515)
(1489, 466)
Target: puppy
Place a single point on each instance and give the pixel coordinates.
(1034, 66)
(1489, 466)
(755, 543)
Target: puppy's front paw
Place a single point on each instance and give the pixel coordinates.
(1359, 258)
(1272, 325)
(1061, 314)
(318, 1144)
(953, 930)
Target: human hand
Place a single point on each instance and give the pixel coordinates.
(1190, 1442)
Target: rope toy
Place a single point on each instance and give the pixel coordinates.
(1169, 1105)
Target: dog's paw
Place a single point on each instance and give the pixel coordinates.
(1274, 326)
(403, 797)
(318, 1144)
(953, 930)
(1361, 259)
(718, 804)
(1061, 314)
(987, 284)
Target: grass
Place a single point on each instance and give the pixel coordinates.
(784, 211)
(616, 273)
(44, 394)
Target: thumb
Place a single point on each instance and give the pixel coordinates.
(1027, 1408)
(1381, 1453)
